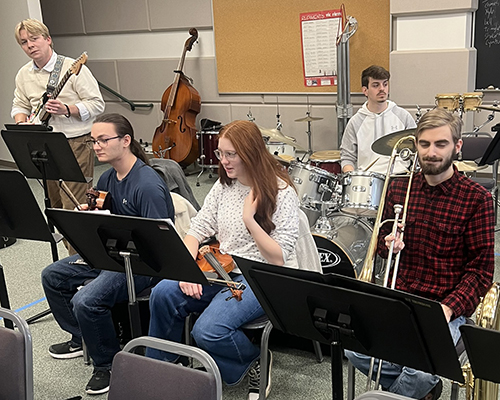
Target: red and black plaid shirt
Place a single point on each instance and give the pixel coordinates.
(449, 240)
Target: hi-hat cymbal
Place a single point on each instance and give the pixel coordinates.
(275, 136)
(385, 144)
(308, 119)
(468, 166)
(489, 108)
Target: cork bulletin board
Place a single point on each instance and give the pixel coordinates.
(258, 43)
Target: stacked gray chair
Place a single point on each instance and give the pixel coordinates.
(16, 359)
(137, 377)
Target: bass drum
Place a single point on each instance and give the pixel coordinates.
(342, 249)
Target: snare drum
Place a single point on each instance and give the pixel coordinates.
(448, 101)
(279, 149)
(207, 143)
(312, 184)
(472, 100)
(361, 193)
(329, 160)
(343, 249)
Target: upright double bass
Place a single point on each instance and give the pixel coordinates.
(175, 138)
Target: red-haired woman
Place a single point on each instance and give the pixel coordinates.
(253, 211)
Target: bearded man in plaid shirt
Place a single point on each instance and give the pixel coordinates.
(448, 243)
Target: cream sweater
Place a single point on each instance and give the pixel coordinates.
(81, 90)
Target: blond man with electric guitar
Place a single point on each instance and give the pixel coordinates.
(69, 102)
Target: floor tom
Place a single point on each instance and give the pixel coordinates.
(207, 143)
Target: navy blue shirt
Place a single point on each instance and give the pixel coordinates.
(142, 193)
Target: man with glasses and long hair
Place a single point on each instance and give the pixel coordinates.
(84, 310)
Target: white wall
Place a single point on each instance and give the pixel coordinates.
(13, 57)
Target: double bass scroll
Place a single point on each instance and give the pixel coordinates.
(175, 137)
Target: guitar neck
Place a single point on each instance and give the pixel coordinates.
(61, 84)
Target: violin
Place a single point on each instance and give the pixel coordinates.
(210, 259)
(175, 138)
(98, 199)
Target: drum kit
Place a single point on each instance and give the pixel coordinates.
(341, 207)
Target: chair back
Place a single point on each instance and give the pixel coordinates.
(306, 250)
(134, 376)
(474, 147)
(16, 359)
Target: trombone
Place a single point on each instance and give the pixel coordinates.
(400, 211)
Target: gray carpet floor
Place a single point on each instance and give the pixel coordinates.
(295, 373)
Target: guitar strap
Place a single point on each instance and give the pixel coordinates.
(54, 75)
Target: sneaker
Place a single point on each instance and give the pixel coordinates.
(254, 378)
(435, 392)
(99, 383)
(65, 350)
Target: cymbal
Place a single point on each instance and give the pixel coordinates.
(385, 144)
(489, 108)
(275, 136)
(468, 166)
(309, 119)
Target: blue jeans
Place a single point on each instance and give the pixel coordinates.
(403, 380)
(217, 330)
(87, 312)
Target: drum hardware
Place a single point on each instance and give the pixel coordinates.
(494, 108)
(367, 272)
(309, 119)
(418, 114)
(249, 115)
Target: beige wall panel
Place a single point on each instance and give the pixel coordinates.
(63, 17)
(428, 6)
(145, 80)
(105, 72)
(186, 14)
(102, 16)
(418, 76)
(214, 112)
(144, 121)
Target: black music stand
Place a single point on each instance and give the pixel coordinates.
(483, 349)
(346, 313)
(42, 154)
(127, 244)
(492, 152)
(20, 217)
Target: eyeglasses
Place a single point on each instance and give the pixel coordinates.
(100, 142)
(230, 155)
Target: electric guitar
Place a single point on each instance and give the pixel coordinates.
(40, 112)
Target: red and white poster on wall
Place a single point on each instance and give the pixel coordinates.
(319, 31)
